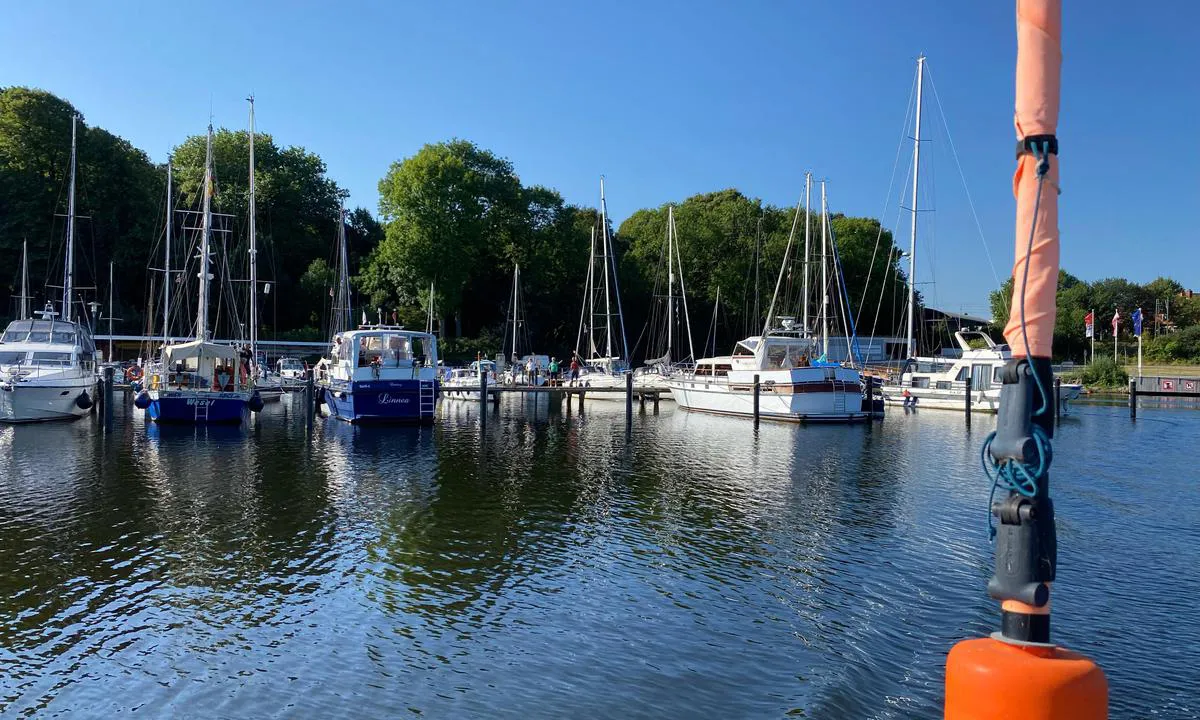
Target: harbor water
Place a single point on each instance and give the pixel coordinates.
(549, 565)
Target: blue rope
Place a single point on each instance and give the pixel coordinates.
(1014, 475)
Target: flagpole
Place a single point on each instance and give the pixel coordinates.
(1093, 314)
(1115, 326)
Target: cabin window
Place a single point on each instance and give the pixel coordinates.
(722, 370)
(920, 382)
(12, 358)
(996, 374)
(962, 375)
(981, 379)
(52, 359)
(65, 337)
(742, 351)
(777, 356)
(943, 384)
(398, 348)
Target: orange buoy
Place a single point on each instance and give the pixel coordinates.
(988, 679)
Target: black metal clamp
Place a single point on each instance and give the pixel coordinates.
(1026, 542)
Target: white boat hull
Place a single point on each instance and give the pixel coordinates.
(982, 401)
(797, 395)
(28, 402)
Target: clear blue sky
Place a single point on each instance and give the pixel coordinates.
(668, 99)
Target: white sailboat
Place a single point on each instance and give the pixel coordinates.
(48, 365)
(668, 360)
(796, 383)
(200, 381)
(943, 382)
(601, 348)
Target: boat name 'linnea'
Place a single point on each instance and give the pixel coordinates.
(386, 399)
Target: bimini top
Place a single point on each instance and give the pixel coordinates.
(200, 348)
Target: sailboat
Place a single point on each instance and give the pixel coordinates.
(796, 383)
(943, 382)
(201, 381)
(667, 360)
(376, 373)
(601, 348)
(48, 365)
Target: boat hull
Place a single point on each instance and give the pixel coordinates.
(27, 403)
(196, 407)
(828, 395)
(982, 401)
(382, 401)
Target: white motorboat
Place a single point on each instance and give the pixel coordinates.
(48, 366)
(464, 383)
(941, 382)
(795, 381)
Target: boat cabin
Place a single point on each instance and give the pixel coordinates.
(774, 352)
(202, 365)
(382, 351)
(981, 360)
(47, 344)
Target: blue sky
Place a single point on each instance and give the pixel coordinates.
(667, 99)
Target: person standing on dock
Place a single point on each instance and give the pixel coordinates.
(574, 369)
(553, 371)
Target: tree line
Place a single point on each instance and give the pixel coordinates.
(1170, 324)
(453, 217)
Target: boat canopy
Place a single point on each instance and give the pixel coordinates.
(50, 332)
(199, 349)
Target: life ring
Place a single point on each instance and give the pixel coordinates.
(133, 373)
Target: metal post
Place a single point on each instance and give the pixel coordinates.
(1133, 399)
(756, 389)
(108, 398)
(641, 402)
(656, 398)
(970, 381)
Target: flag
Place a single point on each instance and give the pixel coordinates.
(1116, 323)
(364, 312)
(1089, 325)
(1137, 322)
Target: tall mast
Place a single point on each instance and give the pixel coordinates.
(607, 293)
(24, 280)
(515, 317)
(341, 311)
(69, 264)
(429, 320)
(167, 263)
(109, 356)
(912, 242)
(824, 275)
(611, 257)
(587, 315)
(253, 250)
(670, 279)
(687, 320)
(807, 236)
(205, 233)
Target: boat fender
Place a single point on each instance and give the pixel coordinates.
(136, 385)
(256, 402)
(83, 402)
(142, 401)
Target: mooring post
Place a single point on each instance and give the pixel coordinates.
(970, 381)
(108, 398)
(310, 403)
(1133, 399)
(642, 402)
(628, 400)
(756, 390)
(1057, 399)
(657, 395)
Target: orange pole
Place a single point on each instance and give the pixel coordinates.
(1018, 672)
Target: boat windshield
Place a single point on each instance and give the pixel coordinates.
(41, 331)
(290, 364)
(52, 359)
(17, 331)
(12, 357)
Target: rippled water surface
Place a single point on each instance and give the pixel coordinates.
(550, 567)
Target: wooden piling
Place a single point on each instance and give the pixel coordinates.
(1057, 399)
(1133, 399)
(642, 402)
(628, 400)
(970, 381)
(657, 396)
(310, 403)
(757, 388)
(108, 398)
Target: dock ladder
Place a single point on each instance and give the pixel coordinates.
(201, 411)
(428, 398)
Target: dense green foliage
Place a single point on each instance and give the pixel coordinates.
(1103, 373)
(453, 215)
(1177, 336)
